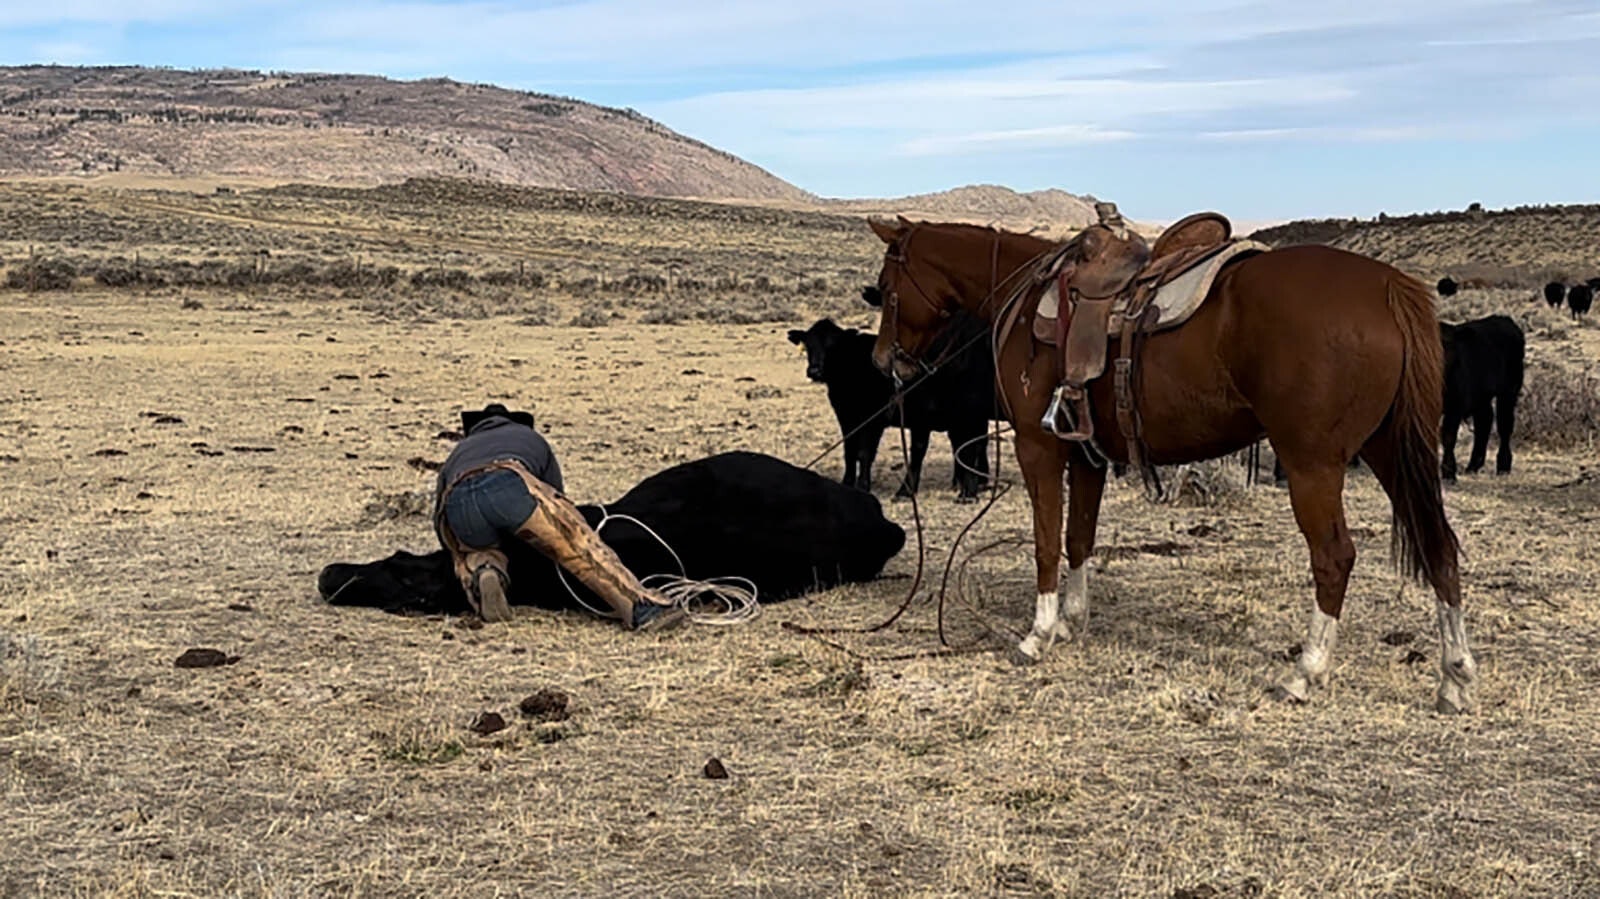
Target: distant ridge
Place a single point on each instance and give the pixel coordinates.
(1517, 247)
(1045, 211)
(142, 126)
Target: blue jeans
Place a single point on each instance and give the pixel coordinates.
(485, 508)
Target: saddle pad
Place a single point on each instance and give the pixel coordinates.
(1177, 300)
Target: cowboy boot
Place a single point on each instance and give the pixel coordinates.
(558, 530)
(482, 573)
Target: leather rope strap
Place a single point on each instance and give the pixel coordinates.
(1140, 316)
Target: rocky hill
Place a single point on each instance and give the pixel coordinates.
(1519, 247)
(142, 125)
(1044, 211)
(57, 120)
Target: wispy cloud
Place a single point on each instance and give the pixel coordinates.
(1016, 138)
(1284, 101)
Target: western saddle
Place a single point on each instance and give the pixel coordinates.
(1104, 284)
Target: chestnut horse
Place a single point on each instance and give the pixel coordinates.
(1328, 354)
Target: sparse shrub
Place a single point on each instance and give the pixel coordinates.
(637, 283)
(1214, 482)
(1559, 408)
(116, 273)
(298, 272)
(537, 313)
(510, 277)
(28, 675)
(583, 287)
(42, 274)
(813, 287)
(751, 309)
(191, 304)
(664, 312)
(591, 316)
(418, 747)
(448, 278)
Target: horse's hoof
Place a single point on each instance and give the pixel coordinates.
(1294, 689)
(1017, 657)
(1453, 699)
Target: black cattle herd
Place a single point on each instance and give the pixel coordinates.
(1579, 297)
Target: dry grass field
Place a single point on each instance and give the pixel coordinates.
(181, 458)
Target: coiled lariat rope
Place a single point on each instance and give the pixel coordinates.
(719, 601)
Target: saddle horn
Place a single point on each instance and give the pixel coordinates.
(1109, 216)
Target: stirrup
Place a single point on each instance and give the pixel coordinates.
(1061, 417)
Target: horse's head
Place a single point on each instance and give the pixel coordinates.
(916, 297)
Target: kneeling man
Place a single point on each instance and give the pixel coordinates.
(502, 482)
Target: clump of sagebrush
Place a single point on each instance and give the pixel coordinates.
(665, 312)
(42, 274)
(1559, 407)
(751, 309)
(592, 315)
(1213, 482)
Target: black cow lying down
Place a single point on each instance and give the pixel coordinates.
(788, 530)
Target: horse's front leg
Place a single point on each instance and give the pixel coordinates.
(1086, 485)
(1042, 460)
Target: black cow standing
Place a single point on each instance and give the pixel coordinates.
(958, 398)
(1554, 293)
(1580, 297)
(1483, 361)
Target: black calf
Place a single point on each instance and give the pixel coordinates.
(958, 398)
(1483, 367)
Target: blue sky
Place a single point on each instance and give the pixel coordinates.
(1265, 110)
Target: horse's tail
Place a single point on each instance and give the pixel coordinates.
(1422, 542)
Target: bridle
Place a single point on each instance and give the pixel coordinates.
(898, 255)
(891, 298)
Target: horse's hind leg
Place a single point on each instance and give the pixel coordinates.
(1316, 490)
(1458, 669)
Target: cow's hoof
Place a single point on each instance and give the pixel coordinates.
(904, 493)
(965, 500)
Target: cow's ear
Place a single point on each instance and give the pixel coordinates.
(888, 232)
(904, 222)
(797, 337)
(872, 296)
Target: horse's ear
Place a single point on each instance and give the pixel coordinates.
(888, 232)
(797, 337)
(872, 296)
